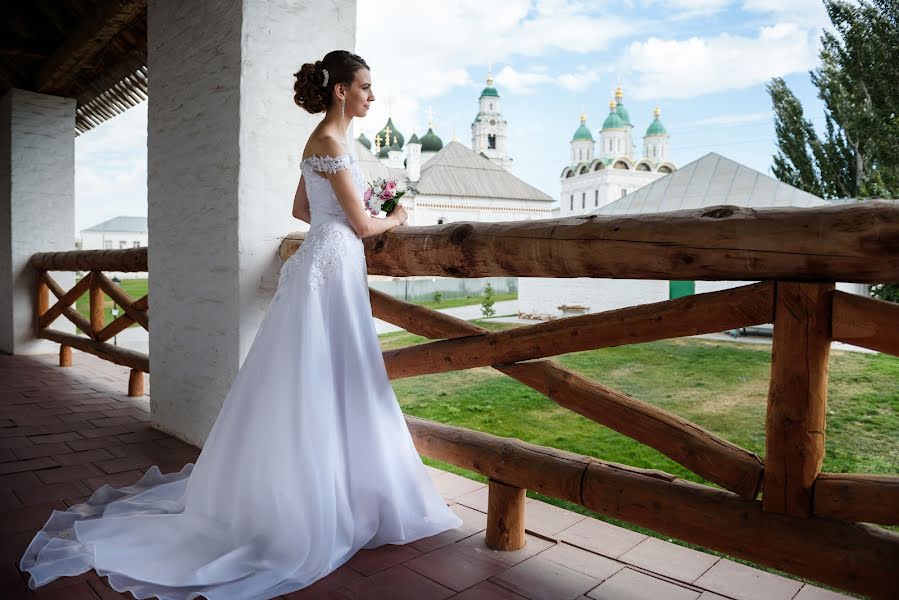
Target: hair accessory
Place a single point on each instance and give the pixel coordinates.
(325, 82)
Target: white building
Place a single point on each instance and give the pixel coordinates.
(711, 180)
(116, 234)
(489, 129)
(453, 182)
(458, 184)
(591, 181)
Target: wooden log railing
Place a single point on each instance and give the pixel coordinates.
(97, 285)
(823, 526)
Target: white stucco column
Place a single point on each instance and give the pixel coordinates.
(224, 144)
(37, 208)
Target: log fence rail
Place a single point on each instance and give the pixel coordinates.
(97, 285)
(823, 526)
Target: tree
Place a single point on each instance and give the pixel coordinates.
(858, 154)
(798, 146)
(487, 305)
(886, 291)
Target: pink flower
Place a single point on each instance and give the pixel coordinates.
(387, 195)
(368, 194)
(391, 185)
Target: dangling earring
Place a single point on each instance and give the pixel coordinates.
(342, 107)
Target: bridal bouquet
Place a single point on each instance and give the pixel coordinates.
(382, 194)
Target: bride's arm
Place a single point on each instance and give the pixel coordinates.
(361, 221)
(301, 203)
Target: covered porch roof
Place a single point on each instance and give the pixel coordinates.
(95, 52)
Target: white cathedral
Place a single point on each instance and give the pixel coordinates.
(590, 182)
(452, 182)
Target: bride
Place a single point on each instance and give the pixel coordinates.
(310, 459)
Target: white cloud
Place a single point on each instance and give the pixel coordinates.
(111, 169)
(517, 82)
(697, 66)
(579, 80)
(693, 8)
(805, 13)
(731, 120)
(521, 82)
(435, 47)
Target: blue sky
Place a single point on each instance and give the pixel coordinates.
(703, 62)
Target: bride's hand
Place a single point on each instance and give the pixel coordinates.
(399, 213)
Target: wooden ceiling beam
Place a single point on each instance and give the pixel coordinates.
(96, 29)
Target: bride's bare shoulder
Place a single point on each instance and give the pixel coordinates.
(323, 144)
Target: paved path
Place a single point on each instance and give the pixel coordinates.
(65, 432)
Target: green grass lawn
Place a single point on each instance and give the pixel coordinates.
(721, 386)
(468, 300)
(134, 287)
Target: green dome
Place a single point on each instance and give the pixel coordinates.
(583, 132)
(656, 128)
(490, 90)
(623, 114)
(364, 141)
(414, 139)
(430, 142)
(613, 121)
(384, 151)
(394, 133)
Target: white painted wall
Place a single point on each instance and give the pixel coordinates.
(224, 144)
(608, 182)
(540, 297)
(426, 210)
(115, 240)
(37, 208)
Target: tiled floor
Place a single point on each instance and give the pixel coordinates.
(66, 432)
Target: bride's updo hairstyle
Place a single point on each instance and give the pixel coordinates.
(310, 90)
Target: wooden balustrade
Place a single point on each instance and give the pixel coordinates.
(97, 286)
(816, 525)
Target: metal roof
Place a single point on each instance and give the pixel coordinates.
(709, 181)
(136, 224)
(459, 171)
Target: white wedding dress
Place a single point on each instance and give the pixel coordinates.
(309, 459)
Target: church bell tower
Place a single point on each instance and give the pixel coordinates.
(489, 130)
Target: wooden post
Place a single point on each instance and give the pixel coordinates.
(65, 356)
(43, 298)
(797, 396)
(136, 383)
(505, 516)
(96, 310)
(42, 302)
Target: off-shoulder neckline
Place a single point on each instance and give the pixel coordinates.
(326, 157)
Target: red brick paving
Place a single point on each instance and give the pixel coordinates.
(65, 432)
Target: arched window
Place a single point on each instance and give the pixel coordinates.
(440, 221)
(491, 106)
(584, 200)
(572, 203)
(491, 141)
(595, 197)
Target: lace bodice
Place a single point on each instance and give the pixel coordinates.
(331, 240)
(323, 202)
